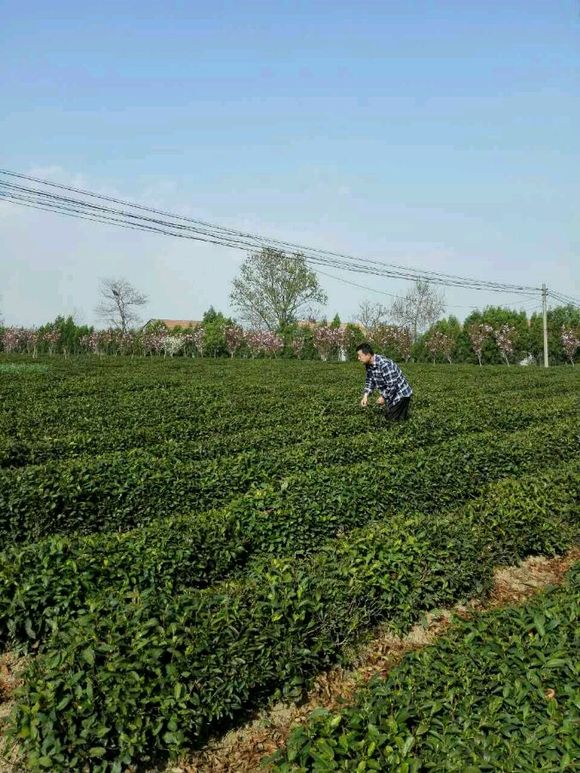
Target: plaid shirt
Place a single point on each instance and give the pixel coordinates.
(386, 376)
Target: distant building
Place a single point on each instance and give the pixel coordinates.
(171, 324)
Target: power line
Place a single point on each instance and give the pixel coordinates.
(565, 299)
(185, 227)
(239, 234)
(53, 202)
(512, 301)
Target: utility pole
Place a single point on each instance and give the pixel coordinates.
(545, 314)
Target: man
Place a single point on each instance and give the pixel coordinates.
(386, 376)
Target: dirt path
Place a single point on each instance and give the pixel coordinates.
(10, 667)
(242, 750)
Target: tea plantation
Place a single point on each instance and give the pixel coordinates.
(184, 540)
(501, 692)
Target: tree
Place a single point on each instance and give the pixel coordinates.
(478, 335)
(119, 303)
(570, 342)
(440, 343)
(63, 335)
(273, 287)
(215, 324)
(234, 337)
(558, 317)
(328, 340)
(419, 308)
(505, 337)
(372, 316)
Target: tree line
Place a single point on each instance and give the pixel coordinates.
(278, 297)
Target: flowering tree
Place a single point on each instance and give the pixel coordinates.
(570, 342)
(253, 341)
(272, 343)
(505, 337)
(149, 343)
(28, 341)
(15, 339)
(440, 343)
(90, 342)
(263, 342)
(198, 337)
(234, 336)
(127, 342)
(478, 335)
(405, 342)
(386, 337)
(298, 345)
(188, 344)
(171, 345)
(327, 339)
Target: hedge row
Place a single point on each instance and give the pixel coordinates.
(53, 579)
(121, 491)
(279, 432)
(197, 427)
(499, 692)
(118, 421)
(138, 676)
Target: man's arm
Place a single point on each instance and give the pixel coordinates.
(369, 383)
(369, 386)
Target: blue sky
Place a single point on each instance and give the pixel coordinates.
(439, 135)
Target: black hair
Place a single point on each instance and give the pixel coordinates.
(365, 348)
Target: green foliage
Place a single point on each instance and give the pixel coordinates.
(53, 578)
(124, 490)
(185, 540)
(151, 673)
(500, 692)
(69, 335)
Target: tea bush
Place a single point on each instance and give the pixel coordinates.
(499, 692)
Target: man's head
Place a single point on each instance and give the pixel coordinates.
(364, 353)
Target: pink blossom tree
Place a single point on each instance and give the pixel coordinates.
(234, 336)
(478, 335)
(405, 342)
(272, 343)
(386, 338)
(253, 340)
(327, 339)
(188, 344)
(14, 339)
(298, 346)
(90, 342)
(263, 342)
(570, 342)
(199, 339)
(505, 337)
(440, 343)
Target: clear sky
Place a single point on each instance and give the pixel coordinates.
(441, 134)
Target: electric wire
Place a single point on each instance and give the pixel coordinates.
(199, 230)
(237, 233)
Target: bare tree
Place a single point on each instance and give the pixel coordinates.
(372, 316)
(420, 307)
(119, 303)
(274, 287)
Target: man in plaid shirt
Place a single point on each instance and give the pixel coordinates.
(386, 376)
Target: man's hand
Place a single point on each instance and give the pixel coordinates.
(364, 401)
(381, 400)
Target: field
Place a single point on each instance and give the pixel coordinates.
(186, 540)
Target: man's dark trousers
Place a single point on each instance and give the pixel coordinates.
(399, 411)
